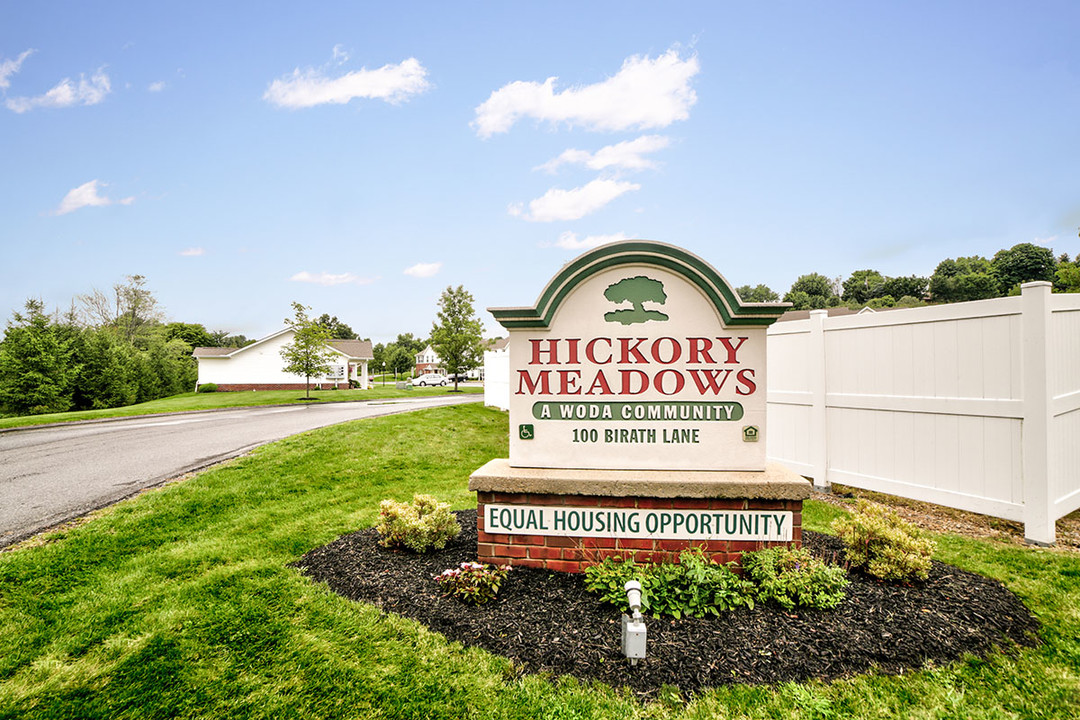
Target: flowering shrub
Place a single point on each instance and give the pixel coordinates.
(472, 582)
(883, 543)
(424, 525)
(795, 577)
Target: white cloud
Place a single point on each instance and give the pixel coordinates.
(340, 54)
(424, 270)
(558, 204)
(392, 83)
(627, 155)
(66, 94)
(193, 252)
(86, 195)
(10, 67)
(1046, 241)
(330, 279)
(569, 240)
(156, 86)
(645, 93)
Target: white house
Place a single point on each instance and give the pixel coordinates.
(427, 361)
(258, 366)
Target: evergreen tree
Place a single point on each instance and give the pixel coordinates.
(37, 370)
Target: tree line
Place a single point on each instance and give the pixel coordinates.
(107, 350)
(954, 280)
(115, 349)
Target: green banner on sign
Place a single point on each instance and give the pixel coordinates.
(639, 411)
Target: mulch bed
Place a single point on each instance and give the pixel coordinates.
(547, 622)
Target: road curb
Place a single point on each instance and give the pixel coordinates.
(121, 418)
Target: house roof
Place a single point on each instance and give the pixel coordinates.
(357, 349)
(212, 351)
(499, 343)
(353, 349)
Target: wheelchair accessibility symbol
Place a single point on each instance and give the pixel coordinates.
(525, 432)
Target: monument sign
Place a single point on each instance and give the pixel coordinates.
(637, 418)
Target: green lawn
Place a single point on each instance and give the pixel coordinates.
(212, 401)
(179, 603)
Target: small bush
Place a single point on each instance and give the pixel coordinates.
(884, 544)
(472, 582)
(695, 586)
(426, 524)
(794, 577)
(207, 388)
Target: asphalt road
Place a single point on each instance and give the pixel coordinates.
(50, 475)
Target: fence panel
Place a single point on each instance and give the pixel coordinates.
(1064, 381)
(497, 379)
(932, 404)
(790, 400)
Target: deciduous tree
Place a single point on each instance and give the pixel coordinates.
(905, 286)
(337, 329)
(307, 354)
(863, 285)
(819, 290)
(398, 359)
(457, 334)
(194, 334)
(130, 310)
(1023, 262)
(963, 279)
(758, 293)
(1067, 275)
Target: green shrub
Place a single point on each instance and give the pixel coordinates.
(695, 586)
(426, 524)
(884, 544)
(207, 388)
(793, 577)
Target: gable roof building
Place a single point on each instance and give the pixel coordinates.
(258, 366)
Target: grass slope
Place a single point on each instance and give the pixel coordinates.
(214, 401)
(179, 603)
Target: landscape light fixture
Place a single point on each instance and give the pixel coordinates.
(633, 626)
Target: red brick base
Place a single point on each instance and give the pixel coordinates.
(574, 554)
(239, 387)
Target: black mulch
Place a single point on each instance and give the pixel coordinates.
(547, 622)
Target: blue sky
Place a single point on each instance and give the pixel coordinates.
(361, 157)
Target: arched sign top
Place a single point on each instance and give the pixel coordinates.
(730, 307)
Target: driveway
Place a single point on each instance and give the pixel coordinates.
(49, 475)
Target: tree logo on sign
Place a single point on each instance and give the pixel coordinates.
(637, 291)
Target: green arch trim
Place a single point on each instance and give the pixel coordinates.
(732, 310)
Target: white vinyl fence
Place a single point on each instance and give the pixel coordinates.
(973, 405)
(497, 378)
